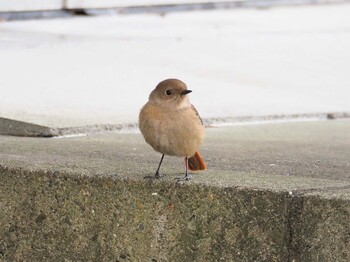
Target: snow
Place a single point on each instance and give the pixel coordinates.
(243, 62)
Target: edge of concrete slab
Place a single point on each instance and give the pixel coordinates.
(85, 198)
(50, 215)
(20, 128)
(158, 8)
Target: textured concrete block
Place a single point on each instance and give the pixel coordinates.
(271, 193)
(55, 217)
(19, 128)
(323, 229)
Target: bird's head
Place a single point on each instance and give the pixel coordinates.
(171, 92)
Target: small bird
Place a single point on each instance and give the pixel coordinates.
(172, 125)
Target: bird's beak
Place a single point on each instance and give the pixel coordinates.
(185, 92)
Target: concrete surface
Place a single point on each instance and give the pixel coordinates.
(19, 128)
(100, 70)
(278, 192)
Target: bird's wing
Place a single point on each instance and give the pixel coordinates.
(195, 110)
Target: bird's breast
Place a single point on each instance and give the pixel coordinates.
(171, 132)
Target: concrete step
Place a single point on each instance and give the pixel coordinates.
(278, 192)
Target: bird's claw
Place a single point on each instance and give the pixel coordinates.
(185, 178)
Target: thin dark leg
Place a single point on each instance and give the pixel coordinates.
(187, 177)
(157, 175)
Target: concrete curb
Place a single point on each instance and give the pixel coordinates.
(272, 193)
(19, 128)
(53, 216)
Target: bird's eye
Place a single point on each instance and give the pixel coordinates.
(168, 92)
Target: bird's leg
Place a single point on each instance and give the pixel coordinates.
(157, 175)
(187, 177)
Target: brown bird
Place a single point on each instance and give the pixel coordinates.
(172, 125)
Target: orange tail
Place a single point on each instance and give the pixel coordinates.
(196, 162)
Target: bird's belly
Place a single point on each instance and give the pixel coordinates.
(175, 138)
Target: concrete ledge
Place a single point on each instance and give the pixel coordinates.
(52, 217)
(272, 193)
(20, 128)
(320, 229)
(48, 216)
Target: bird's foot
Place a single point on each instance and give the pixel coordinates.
(187, 177)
